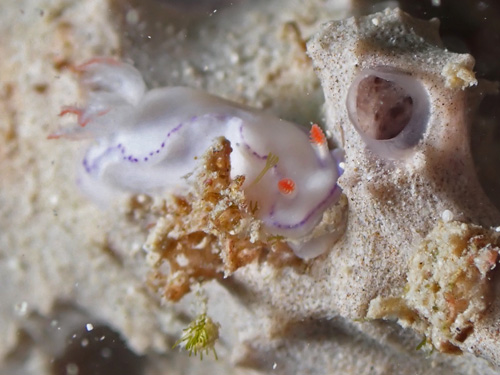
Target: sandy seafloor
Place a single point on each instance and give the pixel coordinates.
(65, 264)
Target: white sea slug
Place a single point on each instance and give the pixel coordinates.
(153, 141)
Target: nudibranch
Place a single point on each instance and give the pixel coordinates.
(152, 141)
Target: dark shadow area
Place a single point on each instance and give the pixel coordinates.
(466, 26)
(472, 26)
(99, 351)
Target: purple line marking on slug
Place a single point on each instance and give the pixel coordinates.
(149, 137)
(91, 168)
(135, 159)
(247, 146)
(329, 197)
(325, 201)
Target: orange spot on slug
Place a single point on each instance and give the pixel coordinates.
(286, 186)
(317, 136)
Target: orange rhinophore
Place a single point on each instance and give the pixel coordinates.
(72, 110)
(82, 118)
(75, 111)
(96, 60)
(286, 186)
(317, 136)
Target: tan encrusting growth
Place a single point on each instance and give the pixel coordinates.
(210, 233)
(448, 285)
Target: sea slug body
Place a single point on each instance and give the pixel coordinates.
(147, 141)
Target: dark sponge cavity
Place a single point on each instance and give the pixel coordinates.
(383, 108)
